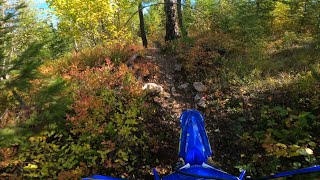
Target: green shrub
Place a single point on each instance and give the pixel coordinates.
(82, 120)
(288, 139)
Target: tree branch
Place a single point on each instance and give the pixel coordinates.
(157, 4)
(19, 99)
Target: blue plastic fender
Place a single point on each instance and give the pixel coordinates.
(194, 147)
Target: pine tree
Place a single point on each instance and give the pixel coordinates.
(15, 72)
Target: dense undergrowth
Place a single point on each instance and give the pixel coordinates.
(86, 113)
(263, 111)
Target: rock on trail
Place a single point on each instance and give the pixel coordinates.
(152, 87)
(199, 86)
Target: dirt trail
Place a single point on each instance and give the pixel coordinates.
(176, 100)
(172, 102)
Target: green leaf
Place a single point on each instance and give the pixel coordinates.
(31, 166)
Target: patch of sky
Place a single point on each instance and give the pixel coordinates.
(45, 12)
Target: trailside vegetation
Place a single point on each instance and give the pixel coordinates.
(72, 101)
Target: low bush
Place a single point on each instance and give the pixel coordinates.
(90, 120)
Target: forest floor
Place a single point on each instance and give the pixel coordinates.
(177, 96)
(171, 102)
(174, 99)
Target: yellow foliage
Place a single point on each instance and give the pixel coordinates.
(90, 22)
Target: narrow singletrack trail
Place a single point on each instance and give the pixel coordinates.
(171, 102)
(175, 100)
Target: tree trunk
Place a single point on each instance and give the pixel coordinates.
(172, 31)
(19, 99)
(180, 20)
(142, 30)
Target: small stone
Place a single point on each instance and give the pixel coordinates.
(150, 57)
(197, 97)
(217, 130)
(202, 103)
(173, 89)
(199, 86)
(183, 86)
(177, 67)
(152, 87)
